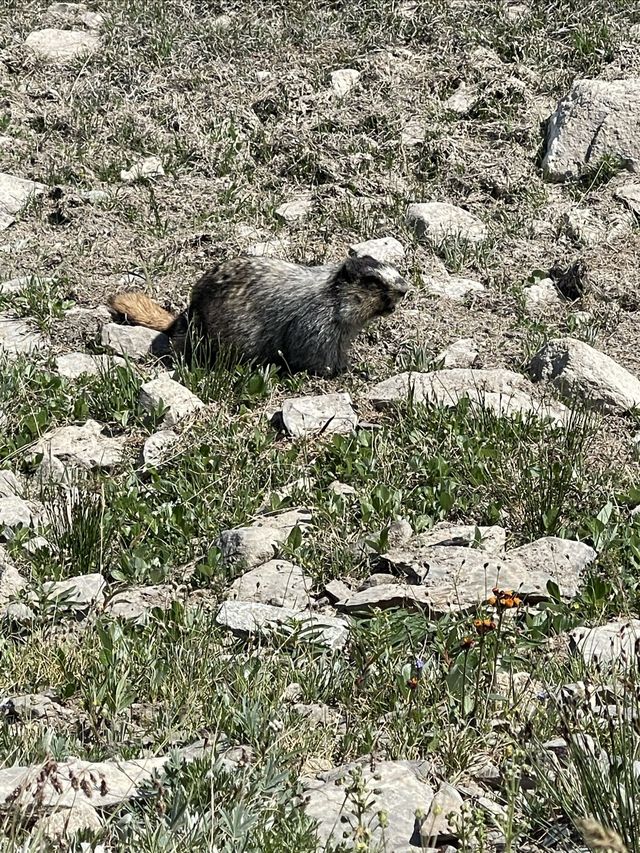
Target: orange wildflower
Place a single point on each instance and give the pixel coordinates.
(484, 626)
(504, 599)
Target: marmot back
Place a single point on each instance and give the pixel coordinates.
(271, 311)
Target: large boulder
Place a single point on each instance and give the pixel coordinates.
(584, 374)
(597, 119)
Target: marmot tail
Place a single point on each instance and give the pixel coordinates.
(140, 310)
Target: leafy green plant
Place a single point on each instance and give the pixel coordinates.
(596, 781)
(43, 300)
(79, 531)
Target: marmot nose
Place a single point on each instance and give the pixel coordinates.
(401, 287)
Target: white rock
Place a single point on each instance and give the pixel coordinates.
(61, 46)
(492, 539)
(551, 553)
(413, 133)
(327, 413)
(65, 823)
(462, 100)
(397, 788)
(75, 364)
(11, 581)
(248, 232)
(95, 196)
(53, 470)
(318, 714)
(285, 519)
(460, 578)
(462, 353)
(135, 604)
(18, 612)
(454, 287)
(517, 11)
(294, 211)
(337, 590)
(342, 489)
(92, 318)
(10, 485)
(17, 285)
(483, 58)
(157, 447)
(15, 512)
(35, 544)
(149, 167)
(438, 221)
(277, 582)
(344, 80)
(386, 596)
(598, 118)
(438, 826)
(251, 546)
(385, 249)
(78, 594)
(247, 617)
(131, 279)
(97, 783)
(630, 195)
(136, 342)
(84, 446)
(18, 337)
(542, 295)
(221, 23)
(15, 193)
(501, 391)
(257, 544)
(581, 372)
(584, 227)
(263, 76)
(177, 399)
(273, 248)
(616, 642)
(33, 706)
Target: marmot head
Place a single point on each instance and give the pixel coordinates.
(368, 288)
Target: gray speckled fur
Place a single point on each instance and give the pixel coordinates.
(270, 310)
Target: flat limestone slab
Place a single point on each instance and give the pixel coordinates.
(502, 391)
(326, 413)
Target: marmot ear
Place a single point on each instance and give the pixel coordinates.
(354, 267)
